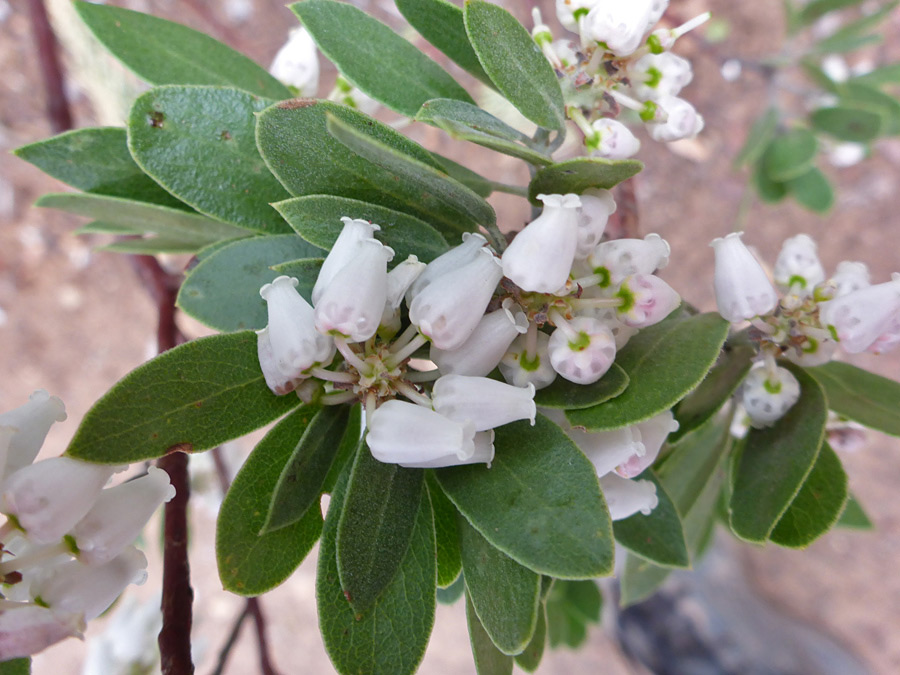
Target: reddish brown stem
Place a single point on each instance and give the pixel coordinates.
(57, 104)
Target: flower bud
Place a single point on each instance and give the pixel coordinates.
(448, 309)
(798, 265)
(861, 317)
(767, 399)
(849, 277)
(743, 290)
(540, 256)
(343, 252)
(653, 434)
(620, 258)
(582, 350)
(612, 140)
(596, 207)
(399, 280)
(654, 76)
(605, 449)
(620, 26)
(297, 64)
(570, 12)
(647, 300)
(520, 368)
(682, 121)
(353, 303)
(27, 427)
(456, 257)
(626, 497)
(482, 402)
(487, 344)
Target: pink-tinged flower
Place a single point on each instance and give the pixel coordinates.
(26, 428)
(596, 207)
(449, 308)
(614, 260)
(29, 629)
(415, 436)
(626, 497)
(647, 300)
(456, 257)
(798, 264)
(483, 402)
(612, 140)
(523, 365)
(540, 257)
(849, 277)
(653, 434)
(343, 252)
(605, 449)
(768, 396)
(682, 121)
(487, 344)
(656, 75)
(743, 291)
(862, 317)
(582, 350)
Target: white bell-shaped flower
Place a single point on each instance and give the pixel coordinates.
(596, 208)
(653, 434)
(798, 266)
(607, 315)
(656, 11)
(278, 381)
(582, 350)
(343, 252)
(647, 300)
(540, 256)
(861, 317)
(889, 340)
(89, 590)
(850, 276)
(654, 76)
(813, 352)
(399, 280)
(295, 343)
(456, 257)
(605, 449)
(448, 309)
(487, 344)
(47, 498)
(485, 403)
(353, 303)
(29, 629)
(620, 26)
(625, 497)
(520, 366)
(118, 516)
(565, 52)
(620, 258)
(570, 12)
(415, 436)
(682, 121)
(767, 398)
(27, 427)
(612, 140)
(297, 63)
(743, 290)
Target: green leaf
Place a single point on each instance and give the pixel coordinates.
(817, 506)
(812, 190)
(854, 517)
(317, 218)
(819, 8)
(715, 390)
(150, 246)
(540, 502)
(16, 667)
(453, 592)
(769, 191)
(515, 63)
(658, 537)
(854, 28)
(581, 173)
(448, 193)
(758, 138)
(190, 398)
(446, 529)
(376, 526)
(818, 76)
(402, 616)
(847, 124)
(306, 271)
(888, 74)
(222, 291)
(296, 145)
(374, 58)
(468, 122)
(175, 225)
(96, 160)
(530, 657)
(571, 607)
(162, 52)
(346, 451)
(505, 595)
(300, 483)
(200, 144)
(664, 363)
(250, 563)
(102, 227)
(868, 97)
(488, 659)
(442, 24)
(475, 182)
(790, 155)
(849, 43)
(570, 396)
(774, 462)
(863, 397)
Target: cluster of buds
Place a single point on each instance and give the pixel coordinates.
(558, 302)
(804, 323)
(616, 62)
(66, 551)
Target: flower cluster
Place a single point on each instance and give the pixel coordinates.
(812, 317)
(66, 550)
(616, 62)
(558, 302)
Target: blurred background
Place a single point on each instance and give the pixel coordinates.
(74, 320)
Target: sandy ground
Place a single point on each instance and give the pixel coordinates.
(74, 321)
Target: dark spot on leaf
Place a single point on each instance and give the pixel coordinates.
(198, 404)
(295, 103)
(180, 447)
(225, 135)
(156, 119)
(348, 596)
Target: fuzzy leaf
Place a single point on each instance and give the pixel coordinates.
(446, 529)
(190, 398)
(250, 563)
(854, 517)
(790, 154)
(570, 396)
(579, 174)
(530, 657)
(847, 124)
(571, 607)
(658, 537)
(758, 138)
(864, 397)
(812, 190)
(488, 659)
(16, 667)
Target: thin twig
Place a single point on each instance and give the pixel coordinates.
(231, 641)
(57, 104)
(255, 609)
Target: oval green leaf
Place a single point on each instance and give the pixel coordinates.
(579, 174)
(864, 397)
(488, 659)
(530, 657)
(812, 190)
(847, 124)
(570, 396)
(571, 607)
(762, 131)
(790, 154)
(190, 398)
(446, 529)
